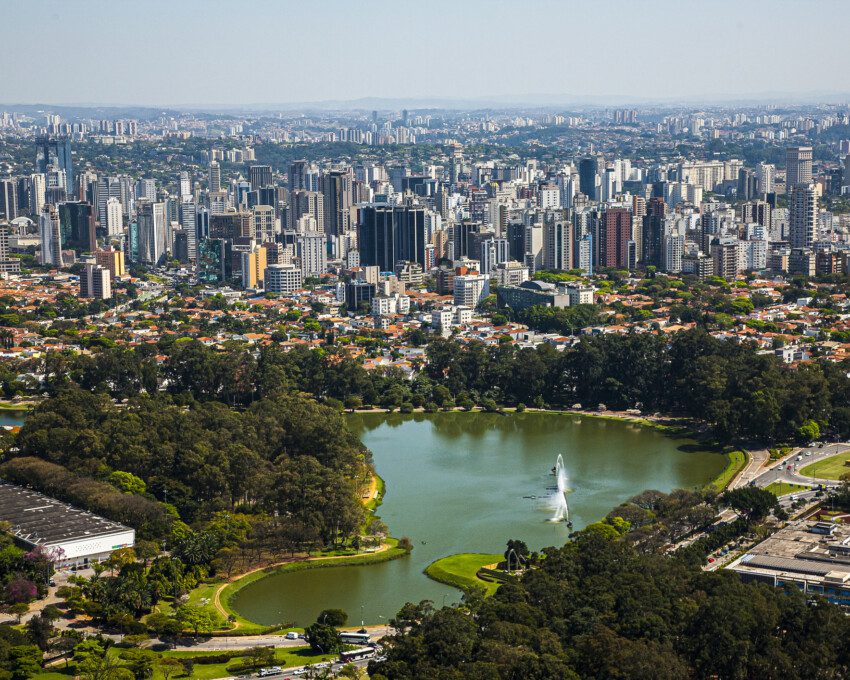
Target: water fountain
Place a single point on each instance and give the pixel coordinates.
(559, 496)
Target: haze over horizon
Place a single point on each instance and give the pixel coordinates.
(263, 53)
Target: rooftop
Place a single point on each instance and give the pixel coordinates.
(37, 519)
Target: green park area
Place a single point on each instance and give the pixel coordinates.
(783, 488)
(833, 467)
(461, 570)
(204, 665)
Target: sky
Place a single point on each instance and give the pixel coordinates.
(247, 52)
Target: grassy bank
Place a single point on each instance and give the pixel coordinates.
(783, 488)
(737, 461)
(828, 468)
(460, 571)
(287, 657)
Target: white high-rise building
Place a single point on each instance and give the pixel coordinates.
(50, 236)
(312, 249)
(152, 231)
(114, 217)
(494, 251)
(765, 177)
(471, 289)
(146, 188)
(264, 223)
(185, 186)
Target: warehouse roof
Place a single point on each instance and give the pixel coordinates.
(37, 519)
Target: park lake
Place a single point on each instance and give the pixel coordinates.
(468, 482)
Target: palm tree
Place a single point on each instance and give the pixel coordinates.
(7, 338)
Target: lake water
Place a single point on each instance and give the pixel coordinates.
(459, 482)
(11, 417)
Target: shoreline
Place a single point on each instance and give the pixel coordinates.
(225, 592)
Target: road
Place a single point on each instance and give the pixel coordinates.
(223, 643)
(780, 471)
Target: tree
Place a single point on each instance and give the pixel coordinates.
(809, 431)
(140, 662)
(196, 619)
(168, 667)
(322, 638)
(40, 630)
(18, 610)
(259, 656)
(24, 662)
(332, 617)
(752, 502)
(517, 551)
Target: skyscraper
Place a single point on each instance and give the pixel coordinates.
(558, 246)
(114, 217)
(55, 152)
(8, 199)
(302, 202)
(297, 176)
(391, 234)
(614, 233)
(50, 237)
(215, 177)
(798, 166)
(260, 176)
(589, 169)
(653, 231)
(337, 190)
(95, 282)
(803, 215)
(264, 223)
(151, 231)
(76, 221)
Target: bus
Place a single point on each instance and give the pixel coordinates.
(357, 654)
(350, 638)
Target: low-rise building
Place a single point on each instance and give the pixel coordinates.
(72, 537)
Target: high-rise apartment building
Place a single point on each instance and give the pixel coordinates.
(558, 247)
(301, 203)
(50, 236)
(152, 234)
(215, 177)
(337, 190)
(95, 282)
(264, 223)
(312, 249)
(111, 259)
(614, 234)
(798, 166)
(802, 219)
(114, 217)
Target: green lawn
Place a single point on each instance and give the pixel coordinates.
(284, 657)
(828, 468)
(737, 460)
(460, 570)
(783, 488)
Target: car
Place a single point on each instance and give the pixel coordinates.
(291, 635)
(710, 560)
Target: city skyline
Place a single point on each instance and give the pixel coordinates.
(291, 55)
